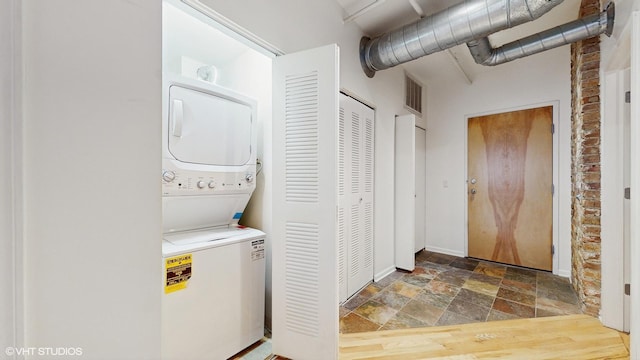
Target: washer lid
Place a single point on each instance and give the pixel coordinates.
(206, 235)
(209, 129)
(207, 240)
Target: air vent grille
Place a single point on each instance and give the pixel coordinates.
(413, 95)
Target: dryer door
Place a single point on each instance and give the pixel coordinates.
(208, 129)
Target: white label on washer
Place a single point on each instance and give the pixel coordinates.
(257, 249)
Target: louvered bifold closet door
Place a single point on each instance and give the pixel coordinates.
(357, 201)
(367, 191)
(344, 200)
(304, 237)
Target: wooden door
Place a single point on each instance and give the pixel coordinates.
(510, 187)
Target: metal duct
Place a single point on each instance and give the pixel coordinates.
(484, 54)
(458, 24)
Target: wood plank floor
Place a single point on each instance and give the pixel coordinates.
(560, 337)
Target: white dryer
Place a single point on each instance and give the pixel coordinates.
(208, 154)
(214, 270)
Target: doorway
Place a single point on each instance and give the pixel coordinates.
(510, 187)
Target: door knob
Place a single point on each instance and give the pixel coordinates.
(473, 180)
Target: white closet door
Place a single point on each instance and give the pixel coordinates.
(305, 265)
(355, 258)
(367, 191)
(344, 216)
(357, 199)
(421, 189)
(405, 192)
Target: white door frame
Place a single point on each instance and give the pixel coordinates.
(612, 199)
(635, 184)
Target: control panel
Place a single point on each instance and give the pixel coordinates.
(186, 182)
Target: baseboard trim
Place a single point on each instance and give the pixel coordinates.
(384, 273)
(564, 273)
(445, 251)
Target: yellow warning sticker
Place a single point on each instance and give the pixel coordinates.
(178, 272)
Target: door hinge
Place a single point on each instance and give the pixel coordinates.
(627, 289)
(553, 249)
(553, 128)
(627, 193)
(627, 97)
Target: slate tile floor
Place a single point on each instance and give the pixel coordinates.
(448, 290)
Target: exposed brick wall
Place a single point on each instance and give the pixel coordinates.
(585, 167)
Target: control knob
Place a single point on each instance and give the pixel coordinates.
(200, 184)
(212, 184)
(168, 175)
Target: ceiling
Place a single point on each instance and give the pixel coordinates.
(375, 17)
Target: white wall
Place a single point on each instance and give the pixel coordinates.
(536, 79)
(92, 107)
(293, 26)
(8, 27)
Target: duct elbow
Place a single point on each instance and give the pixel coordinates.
(482, 52)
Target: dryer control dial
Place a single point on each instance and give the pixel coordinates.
(200, 184)
(168, 175)
(212, 184)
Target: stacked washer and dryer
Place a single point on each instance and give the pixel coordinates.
(214, 269)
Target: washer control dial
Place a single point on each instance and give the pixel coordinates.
(201, 184)
(168, 175)
(212, 184)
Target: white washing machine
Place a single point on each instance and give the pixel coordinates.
(213, 269)
(220, 310)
